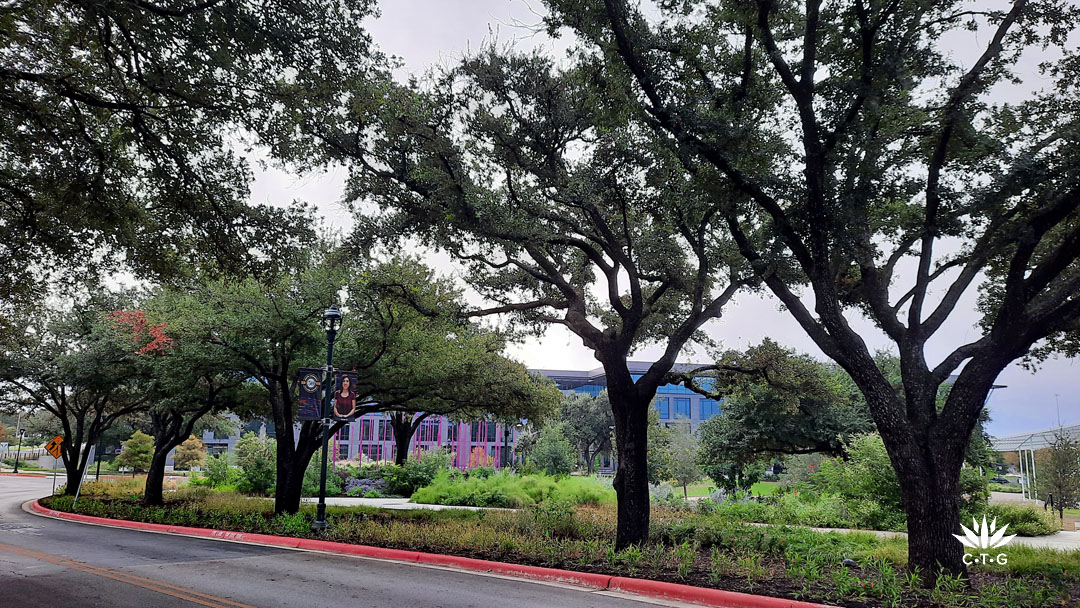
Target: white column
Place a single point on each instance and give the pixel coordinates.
(1023, 480)
(1034, 491)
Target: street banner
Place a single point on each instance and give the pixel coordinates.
(344, 405)
(310, 399)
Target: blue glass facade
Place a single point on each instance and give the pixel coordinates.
(663, 405)
(673, 402)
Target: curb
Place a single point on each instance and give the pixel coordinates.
(659, 589)
(42, 476)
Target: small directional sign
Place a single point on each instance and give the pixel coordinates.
(53, 447)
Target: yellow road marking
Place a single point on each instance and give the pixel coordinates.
(125, 577)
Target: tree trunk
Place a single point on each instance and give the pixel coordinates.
(289, 488)
(74, 473)
(404, 430)
(154, 494)
(589, 457)
(401, 447)
(933, 515)
(632, 476)
(293, 460)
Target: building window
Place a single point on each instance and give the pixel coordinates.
(662, 407)
(429, 430)
(343, 432)
(682, 407)
(365, 429)
(709, 408)
(492, 432)
(343, 451)
(474, 435)
(386, 431)
(373, 452)
(452, 431)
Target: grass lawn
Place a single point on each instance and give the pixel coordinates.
(761, 488)
(764, 488)
(683, 546)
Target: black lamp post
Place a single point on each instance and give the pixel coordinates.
(21, 433)
(331, 322)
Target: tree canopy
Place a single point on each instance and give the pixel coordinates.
(851, 151)
(561, 211)
(80, 367)
(777, 402)
(123, 127)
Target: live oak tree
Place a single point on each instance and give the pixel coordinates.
(190, 381)
(561, 212)
(775, 403)
(402, 334)
(75, 365)
(483, 385)
(588, 425)
(266, 330)
(867, 161)
(417, 355)
(124, 124)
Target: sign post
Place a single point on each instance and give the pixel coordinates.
(53, 447)
(89, 459)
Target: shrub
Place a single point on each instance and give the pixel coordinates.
(416, 473)
(366, 487)
(512, 491)
(867, 472)
(217, 470)
(310, 485)
(256, 458)
(1024, 520)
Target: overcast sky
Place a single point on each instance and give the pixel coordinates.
(423, 33)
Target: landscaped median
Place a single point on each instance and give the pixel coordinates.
(689, 556)
(661, 589)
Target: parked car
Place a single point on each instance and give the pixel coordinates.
(999, 480)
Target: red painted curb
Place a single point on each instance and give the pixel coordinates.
(702, 595)
(674, 591)
(400, 555)
(45, 476)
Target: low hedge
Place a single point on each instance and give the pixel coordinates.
(512, 491)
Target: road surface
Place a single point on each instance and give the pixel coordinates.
(46, 562)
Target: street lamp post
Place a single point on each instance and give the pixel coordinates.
(331, 322)
(21, 433)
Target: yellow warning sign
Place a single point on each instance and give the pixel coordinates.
(53, 447)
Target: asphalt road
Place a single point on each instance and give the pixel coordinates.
(46, 562)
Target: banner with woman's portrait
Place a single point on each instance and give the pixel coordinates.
(344, 399)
